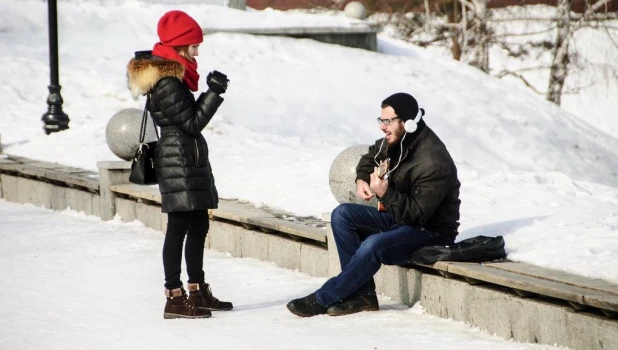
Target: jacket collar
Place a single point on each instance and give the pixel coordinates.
(143, 74)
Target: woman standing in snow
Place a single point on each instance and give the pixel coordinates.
(168, 75)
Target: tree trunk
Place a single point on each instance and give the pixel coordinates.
(456, 46)
(560, 63)
(480, 53)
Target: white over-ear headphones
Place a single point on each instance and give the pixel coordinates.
(411, 125)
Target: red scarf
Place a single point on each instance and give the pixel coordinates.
(191, 77)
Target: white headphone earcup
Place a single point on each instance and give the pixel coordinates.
(410, 126)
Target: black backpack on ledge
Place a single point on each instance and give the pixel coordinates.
(475, 249)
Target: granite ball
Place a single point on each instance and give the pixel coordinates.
(342, 175)
(355, 9)
(122, 132)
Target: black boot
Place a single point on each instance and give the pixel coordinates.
(201, 295)
(179, 306)
(306, 307)
(354, 304)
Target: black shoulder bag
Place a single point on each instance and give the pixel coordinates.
(475, 249)
(143, 168)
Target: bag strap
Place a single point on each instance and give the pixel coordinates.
(142, 131)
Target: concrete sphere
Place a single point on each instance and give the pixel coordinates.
(122, 132)
(343, 173)
(355, 10)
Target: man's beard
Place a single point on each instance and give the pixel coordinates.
(394, 139)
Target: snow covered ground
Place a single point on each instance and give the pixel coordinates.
(75, 282)
(529, 170)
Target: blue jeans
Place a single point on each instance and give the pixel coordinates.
(367, 238)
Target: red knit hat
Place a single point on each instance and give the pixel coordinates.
(176, 28)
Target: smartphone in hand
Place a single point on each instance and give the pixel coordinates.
(383, 168)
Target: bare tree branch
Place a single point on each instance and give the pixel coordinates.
(505, 73)
(506, 35)
(574, 17)
(589, 12)
(428, 15)
(425, 43)
(602, 17)
(464, 20)
(595, 25)
(576, 90)
(524, 19)
(609, 35)
(530, 69)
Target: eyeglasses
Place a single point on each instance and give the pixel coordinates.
(386, 121)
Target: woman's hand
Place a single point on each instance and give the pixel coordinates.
(217, 82)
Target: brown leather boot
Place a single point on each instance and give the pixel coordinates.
(179, 306)
(201, 295)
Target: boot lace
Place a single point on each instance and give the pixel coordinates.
(185, 300)
(208, 292)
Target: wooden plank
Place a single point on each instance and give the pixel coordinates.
(6, 160)
(22, 159)
(239, 212)
(578, 294)
(250, 215)
(46, 165)
(10, 165)
(556, 275)
(290, 227)
(138, 191)
(83, 178)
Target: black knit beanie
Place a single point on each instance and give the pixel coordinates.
(405, 105)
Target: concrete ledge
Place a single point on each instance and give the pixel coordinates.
(363, 36)
(362, 28)
(9, 187)
(314, 260)
(225, 237)
(150, 215)
(254, 244)
(59, 198)
(517, 301)
(125, 208)
(284, 252)
(81, 201)
(514, 317)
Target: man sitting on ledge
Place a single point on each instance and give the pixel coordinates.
(418, 206)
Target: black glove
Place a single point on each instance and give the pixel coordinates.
(217, 82)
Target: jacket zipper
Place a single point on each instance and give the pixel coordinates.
(197, 154)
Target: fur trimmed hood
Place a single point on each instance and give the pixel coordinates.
(143, 74)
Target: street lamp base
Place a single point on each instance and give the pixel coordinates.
(55, 119)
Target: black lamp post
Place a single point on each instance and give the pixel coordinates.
(55, 119)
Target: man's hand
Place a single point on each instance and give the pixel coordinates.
(363, 191)
(378, 185)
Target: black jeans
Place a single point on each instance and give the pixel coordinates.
(194, 225)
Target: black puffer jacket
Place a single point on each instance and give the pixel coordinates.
(181, 156)
(424, 189)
